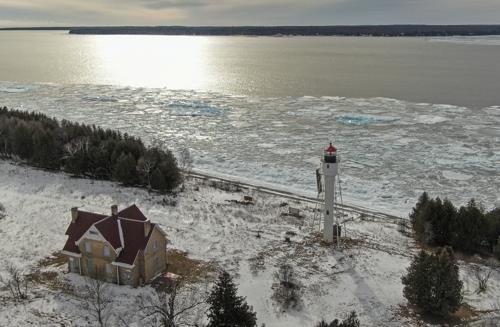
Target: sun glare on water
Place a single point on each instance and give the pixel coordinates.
(176, 62)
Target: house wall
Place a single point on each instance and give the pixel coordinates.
(134, 280)
(155, 259)
(73, 264)
(98, 260)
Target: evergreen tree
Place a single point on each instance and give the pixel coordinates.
(46, 150)
(124, 170)
(158, 181)
(21, 141)
(416, 211)
(493, 230)
(442, 226)
(470, 228)
(432, 282)
(227, 309)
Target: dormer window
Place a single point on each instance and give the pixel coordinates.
(106, 251)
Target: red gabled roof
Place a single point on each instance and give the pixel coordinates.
(132, 212)
(77, 229)
(132, 222)
(134, 239)
(110, 231)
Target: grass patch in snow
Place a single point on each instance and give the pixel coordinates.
(179, 263)
(55, 259)
(463, 315)
(48, 273)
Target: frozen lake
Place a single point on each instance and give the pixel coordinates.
(391, 150)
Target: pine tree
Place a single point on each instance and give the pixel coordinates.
(471, 228)
(422, 202)
(125, 169)
(227, 309)
(432, 282)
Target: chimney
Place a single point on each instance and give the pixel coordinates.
(114, 210)
(74, 214)
(147, 228)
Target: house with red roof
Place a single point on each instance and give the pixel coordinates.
(124, 247)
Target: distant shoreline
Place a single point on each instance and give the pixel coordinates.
(345, 30)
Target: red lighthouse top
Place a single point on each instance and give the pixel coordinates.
(331, 149)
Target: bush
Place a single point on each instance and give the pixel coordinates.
(432, 283)
(2, 211)
(287, 289)
(84, 150)
(351, 321)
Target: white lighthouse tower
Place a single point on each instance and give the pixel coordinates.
(330, 170)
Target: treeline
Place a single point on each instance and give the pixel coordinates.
(85, 150)
(469, 228)
(361, 30)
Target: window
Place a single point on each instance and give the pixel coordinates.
(88, 247)
(106, 251)
(92, 232)
(129, 278)
(155, 245)
(108, 269)
(157, 262)
(90, 266)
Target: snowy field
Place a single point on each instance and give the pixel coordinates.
(364, 276)
(390, 150)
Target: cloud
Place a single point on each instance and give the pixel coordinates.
(246, 12)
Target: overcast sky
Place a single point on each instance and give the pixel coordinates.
(246, 12)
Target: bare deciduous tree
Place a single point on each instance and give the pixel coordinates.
(145, 167)
(482, 276)
(185, 160)
(177, 304)
(97, 298)
(16, 282)
(75, 146)
(287, 289)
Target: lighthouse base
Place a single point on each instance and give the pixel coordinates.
(332, 234)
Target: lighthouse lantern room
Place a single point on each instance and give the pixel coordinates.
(330, 170)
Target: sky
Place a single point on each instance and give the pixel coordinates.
(21, 13)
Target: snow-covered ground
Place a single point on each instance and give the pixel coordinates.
(366, 276)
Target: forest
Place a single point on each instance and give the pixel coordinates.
(469, 229)
(86, 151)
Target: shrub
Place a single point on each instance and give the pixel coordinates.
(351, 321)
(287, 289)
(432, 282)
(2, 211)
